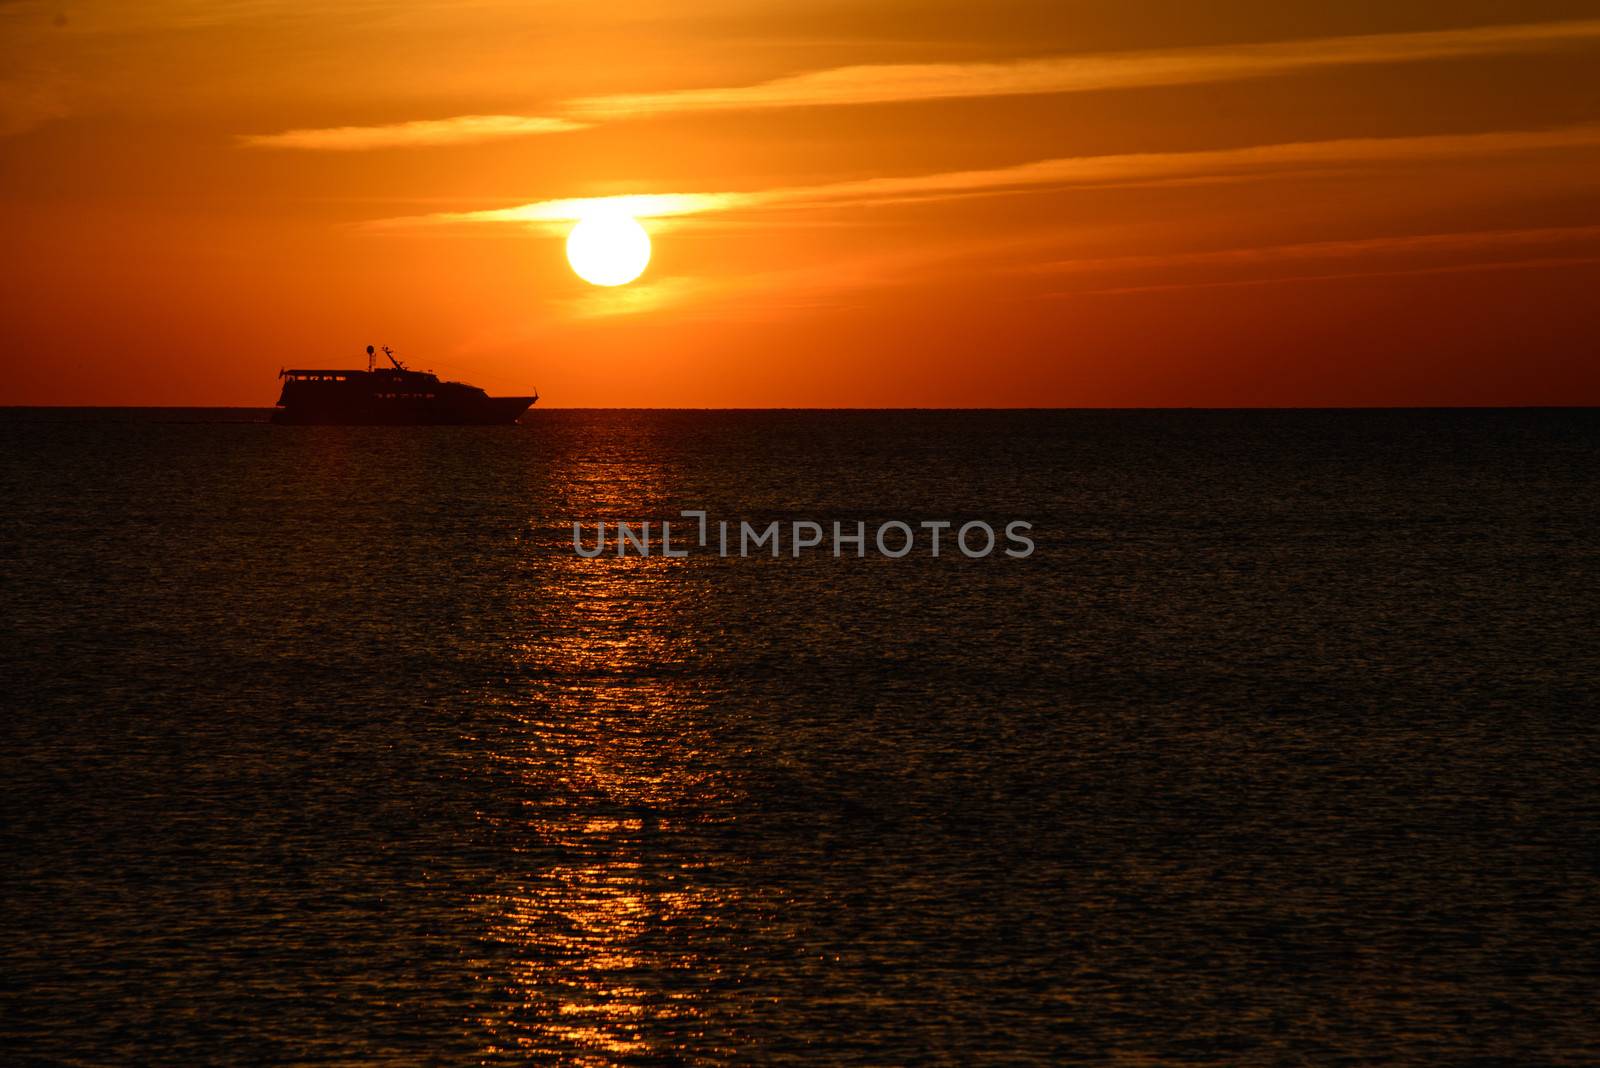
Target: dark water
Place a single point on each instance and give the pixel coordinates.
(322, 745)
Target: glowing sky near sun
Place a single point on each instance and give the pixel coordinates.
(1027, 202)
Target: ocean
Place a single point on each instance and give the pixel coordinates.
(327, 745)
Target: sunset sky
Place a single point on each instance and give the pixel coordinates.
(862, 204)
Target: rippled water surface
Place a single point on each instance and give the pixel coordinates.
(323, 745)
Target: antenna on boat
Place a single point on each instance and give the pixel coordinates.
(398, 366)
(370, 354)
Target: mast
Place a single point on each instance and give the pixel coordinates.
(398, 366)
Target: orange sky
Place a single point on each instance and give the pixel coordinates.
(1042, 203)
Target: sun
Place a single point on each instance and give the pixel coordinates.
(608, 248)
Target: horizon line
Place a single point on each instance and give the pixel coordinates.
(1398, 407)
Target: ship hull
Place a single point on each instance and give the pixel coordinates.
(485, 411)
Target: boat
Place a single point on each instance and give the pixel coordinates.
(389, 396)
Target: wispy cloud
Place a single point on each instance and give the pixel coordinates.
(1066, 172)
(1395, 245)
(639, 206)
(1539, 263)
(885, 83)
(759, 295)
(908, 82)
(750, 296)
(1582, 243)
(463, 129)
(26, 104)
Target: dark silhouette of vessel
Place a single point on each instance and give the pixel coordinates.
(394, 396)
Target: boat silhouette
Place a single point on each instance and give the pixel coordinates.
(390, 396)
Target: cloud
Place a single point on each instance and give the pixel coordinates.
(1469, 241)
(26, 104)
(1394, 246)
(33, 87)
(907, 82)
(119, 17)
(750, 296)
(1541, 263)
(886, 83)
(639, 206)
(1083, 171)
(754, 296)
(463, 129)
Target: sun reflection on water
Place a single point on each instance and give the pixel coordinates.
(605, 936)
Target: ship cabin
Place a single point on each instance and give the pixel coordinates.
(398, 384)
(315, 375)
